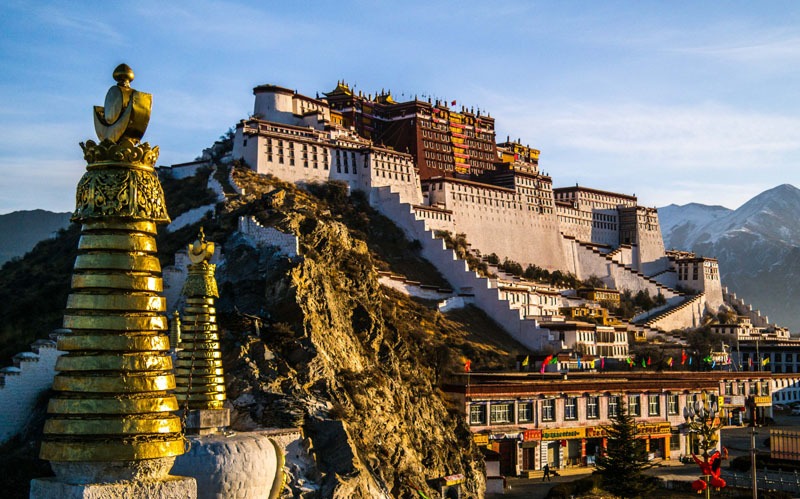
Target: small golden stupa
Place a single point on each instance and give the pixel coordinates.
(112, 400)
(199, 376)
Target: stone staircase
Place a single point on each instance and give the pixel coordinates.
(661, 320)
(622, 273)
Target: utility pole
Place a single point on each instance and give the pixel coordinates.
(753, 461)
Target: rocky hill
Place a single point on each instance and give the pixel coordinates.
(758, 247)
(21, 230)
(315, 341)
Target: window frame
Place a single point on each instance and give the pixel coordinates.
(653, 402)
(549, 406)
(495, 410)
(473, 412)
(635, 405)
(570, 408)
(592, 401)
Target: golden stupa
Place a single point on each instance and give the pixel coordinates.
(200, 383)
(112, 400)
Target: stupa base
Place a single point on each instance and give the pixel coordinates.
(169, 487)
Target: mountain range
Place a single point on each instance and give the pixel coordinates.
(757, 245)
(21, 230)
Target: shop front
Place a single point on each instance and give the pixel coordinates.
(656, 436)
(733, 409)
(563, 447)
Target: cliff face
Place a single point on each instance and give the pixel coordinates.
(354, 364)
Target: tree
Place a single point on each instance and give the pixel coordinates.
(624, 458)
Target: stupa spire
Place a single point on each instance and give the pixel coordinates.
(111, 416)
(200, 383)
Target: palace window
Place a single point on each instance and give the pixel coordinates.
(654, 405)
(764, 388)
(672, 404)
(525, 412)
(613, 407)
(477, 414)
(548, 410)
(593, 407)
(728, 388)
(501, 413)
(634, 405)
(571, 408)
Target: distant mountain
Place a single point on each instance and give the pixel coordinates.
(21, 230)
(758, 247)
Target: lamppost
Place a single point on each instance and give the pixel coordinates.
(701, 419)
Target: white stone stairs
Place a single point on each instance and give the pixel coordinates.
(653, 286)
(482, 290)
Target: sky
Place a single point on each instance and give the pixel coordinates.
(673, 101)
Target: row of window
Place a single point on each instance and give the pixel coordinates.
(503, 412)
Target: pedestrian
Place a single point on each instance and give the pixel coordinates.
(546, 470)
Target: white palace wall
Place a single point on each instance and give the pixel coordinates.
(497, 221)
(23, 384)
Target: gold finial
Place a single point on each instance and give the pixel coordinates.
(200, 250)
(126, 112)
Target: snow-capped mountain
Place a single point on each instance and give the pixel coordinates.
(758, 247)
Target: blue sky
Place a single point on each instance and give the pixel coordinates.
(674, 101)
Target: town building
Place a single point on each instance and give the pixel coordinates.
(537, 419)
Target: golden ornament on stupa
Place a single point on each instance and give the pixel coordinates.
(112, 399)
(198, 371)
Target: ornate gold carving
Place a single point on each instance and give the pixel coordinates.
(200, 281)
(125, 152)
(126, 111)
(201, 250)
(116, 192)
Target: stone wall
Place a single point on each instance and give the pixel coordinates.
(267, 236)
(22, 385)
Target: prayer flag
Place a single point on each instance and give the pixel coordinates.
(649, 362)
(690, 360)
(467, 365)
(553, 360)
(602, 363)
(545, 362)
(525, 362)
(683, 357)
(453, 103)
(669, 362)
(643, 363)
(765, 361)
(579, 362)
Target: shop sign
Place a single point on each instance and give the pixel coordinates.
(653, 428)
(733, 401)
(563, 433)
(481, 439)
(529, 435)
(595, 432)
(641, 428)
(763, 401)
(454, 479)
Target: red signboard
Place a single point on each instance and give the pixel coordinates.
(529, 435)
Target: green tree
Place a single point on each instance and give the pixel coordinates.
(624, 458)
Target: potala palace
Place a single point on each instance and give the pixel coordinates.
(432, 168)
